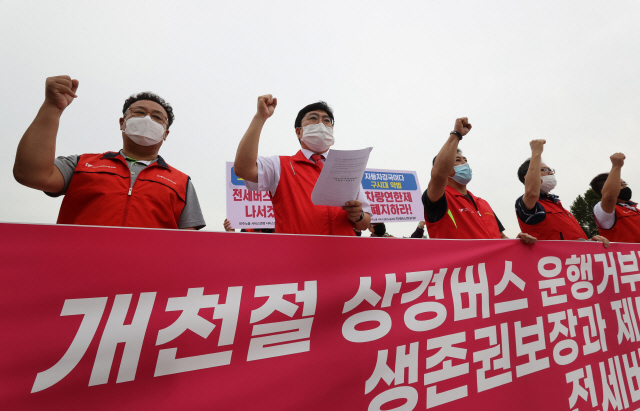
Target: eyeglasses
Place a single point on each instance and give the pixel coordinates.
(548, 170)
(140, 112)
(315, 119)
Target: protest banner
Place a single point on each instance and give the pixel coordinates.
(394, 195)
(246, 208)
(117, 318)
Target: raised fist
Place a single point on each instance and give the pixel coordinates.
(60, 91)
(266, 106)
(462, 126)
(537, 145)
(617, 160)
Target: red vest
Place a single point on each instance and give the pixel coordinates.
(626, 229)
(99, 194)
(294, 211)
(558, 224)
(463, 220)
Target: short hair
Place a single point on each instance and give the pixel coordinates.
(598, 182)
(147, 95)
(320, 105)
(434, 159)
(522, 171)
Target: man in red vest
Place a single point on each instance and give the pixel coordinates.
(617, 217)
(134, 187)
(291, 179)
(451, 211)
(540, 212)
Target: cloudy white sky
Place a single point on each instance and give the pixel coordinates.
(396, 73)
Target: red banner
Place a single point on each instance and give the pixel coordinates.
(112, 318)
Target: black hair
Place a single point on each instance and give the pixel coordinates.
(320, 105)
(434, 159)
(522, 171)
(598, 182)
(147, 95)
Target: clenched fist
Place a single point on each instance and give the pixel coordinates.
(266, 106)
(537, 146)
(462, 126)
(60, 91)
(617, 160)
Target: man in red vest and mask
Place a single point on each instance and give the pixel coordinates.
(540, 212)
(291, 179)
(134, 187)
(451, 211)
(617, 217)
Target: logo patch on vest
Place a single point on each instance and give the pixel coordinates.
(91, 165)
(167, 179)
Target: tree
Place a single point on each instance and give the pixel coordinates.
(582, 210)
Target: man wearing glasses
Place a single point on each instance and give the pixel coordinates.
(616, 215)
(539, 212)
(134, 187)
(291, 179)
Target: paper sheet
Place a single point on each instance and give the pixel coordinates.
(341, 177)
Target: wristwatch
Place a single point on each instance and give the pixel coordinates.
(457, 133)
(361, 217)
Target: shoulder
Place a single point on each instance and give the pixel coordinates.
(520, 202)
(271, 161)
(162, 163)
(599, 213)
(107, 154)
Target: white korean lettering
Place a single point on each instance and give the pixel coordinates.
(117, 332)
(504, 363)
(91, 309)
(530, 349)
(473, 289)
(509, 277)
(404, 361)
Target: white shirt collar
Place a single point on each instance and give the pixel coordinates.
(309, 153)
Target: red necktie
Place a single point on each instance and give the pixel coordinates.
(317, 158)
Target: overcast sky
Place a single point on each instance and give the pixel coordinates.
(397, 75)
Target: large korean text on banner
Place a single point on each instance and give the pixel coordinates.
(183, 321)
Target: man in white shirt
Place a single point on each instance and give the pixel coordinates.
(617, 217)
(291, 179)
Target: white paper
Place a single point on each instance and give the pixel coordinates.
(341, 177)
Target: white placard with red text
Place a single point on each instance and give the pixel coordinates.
(246, 208)
(394, 195)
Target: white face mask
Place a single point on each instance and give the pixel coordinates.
(548, 183)
(144, 131)
(318, 137)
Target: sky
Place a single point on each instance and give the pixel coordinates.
(397, 75)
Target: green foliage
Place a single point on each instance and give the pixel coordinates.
(582, 210)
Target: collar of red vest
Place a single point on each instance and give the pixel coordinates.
(458, 193)
(160, 162)
(549, 196)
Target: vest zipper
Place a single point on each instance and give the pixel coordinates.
(126, 207)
